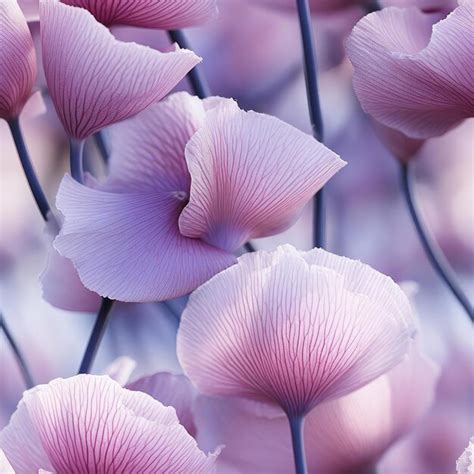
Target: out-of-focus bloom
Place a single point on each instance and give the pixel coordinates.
(121, 369)
(293, 329)
(349, 434)
(18, 60)
(173, 390)
(412, 73)
(315, 5)
(60, 282)
(465, 463)
(402, 147)
(90, 424)
(425, 5)
(165, 14)
(95, 80)
(190, 181)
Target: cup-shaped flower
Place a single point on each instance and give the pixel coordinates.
(90, 424)
(411, 75)
(165, 14)
(17, 59)
(293, 329)
(190, 181)
(347, 435)
(95, 80)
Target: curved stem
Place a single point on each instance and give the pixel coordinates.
(30, 173)
(96, 336)
(431, 248)
(314, 106)
(196, 78)
(101, 144)
(76, 153)
(28, 379)
(297, 439)
(249, 247)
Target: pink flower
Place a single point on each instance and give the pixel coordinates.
(190, 181)
(347, 435)
(293, 329)
(165, 14)
(90, 424)
(95, 80)
(17, 59)
(411, 75)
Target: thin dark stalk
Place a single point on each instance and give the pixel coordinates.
(76, 156)
(314, 106)
(249, 247)
(297, 439)
(435, 255)
(28, 168)
(372, 6)
(101, 144)
(25, 371)
(96, 336)
(196, 78)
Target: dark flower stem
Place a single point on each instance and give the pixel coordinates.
(76, 158)
(28, 379)
(30, 173)
(312, 92)
(196, 78)
(96, 336)
(297, 438)
(433, 252)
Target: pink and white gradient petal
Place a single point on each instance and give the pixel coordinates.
(90, 423)
(411, 73)
(127, 246)
(278, 329)
(164, 14)
(95, 80)
(251, 175)
(18, 60)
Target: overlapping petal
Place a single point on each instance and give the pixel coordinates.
(90, 424)
(251, 175)
(127, 246)
(411, 75)
(279, 328)
(17, 59)
(172, 390)
(165, 14)
(465, 463)
(95, 80)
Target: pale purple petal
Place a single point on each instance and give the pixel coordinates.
(251, 175)
(95, 80)
(278, 328)
(17, 59)
(60, 282)
(413, 77)
(127, 246)
(172, 390)
(165, 14)
(147, 151)
(465, 463)
(90, 424)
(5, 466)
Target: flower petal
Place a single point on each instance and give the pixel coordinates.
(410, 77)
(278, 329)
(465, 463)
(95, 80)
(90, 424)
(127, 246)
(147, 151)
(165, 14)
(251, 175)
(121, 369)
(171, 390)
(18, 60)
